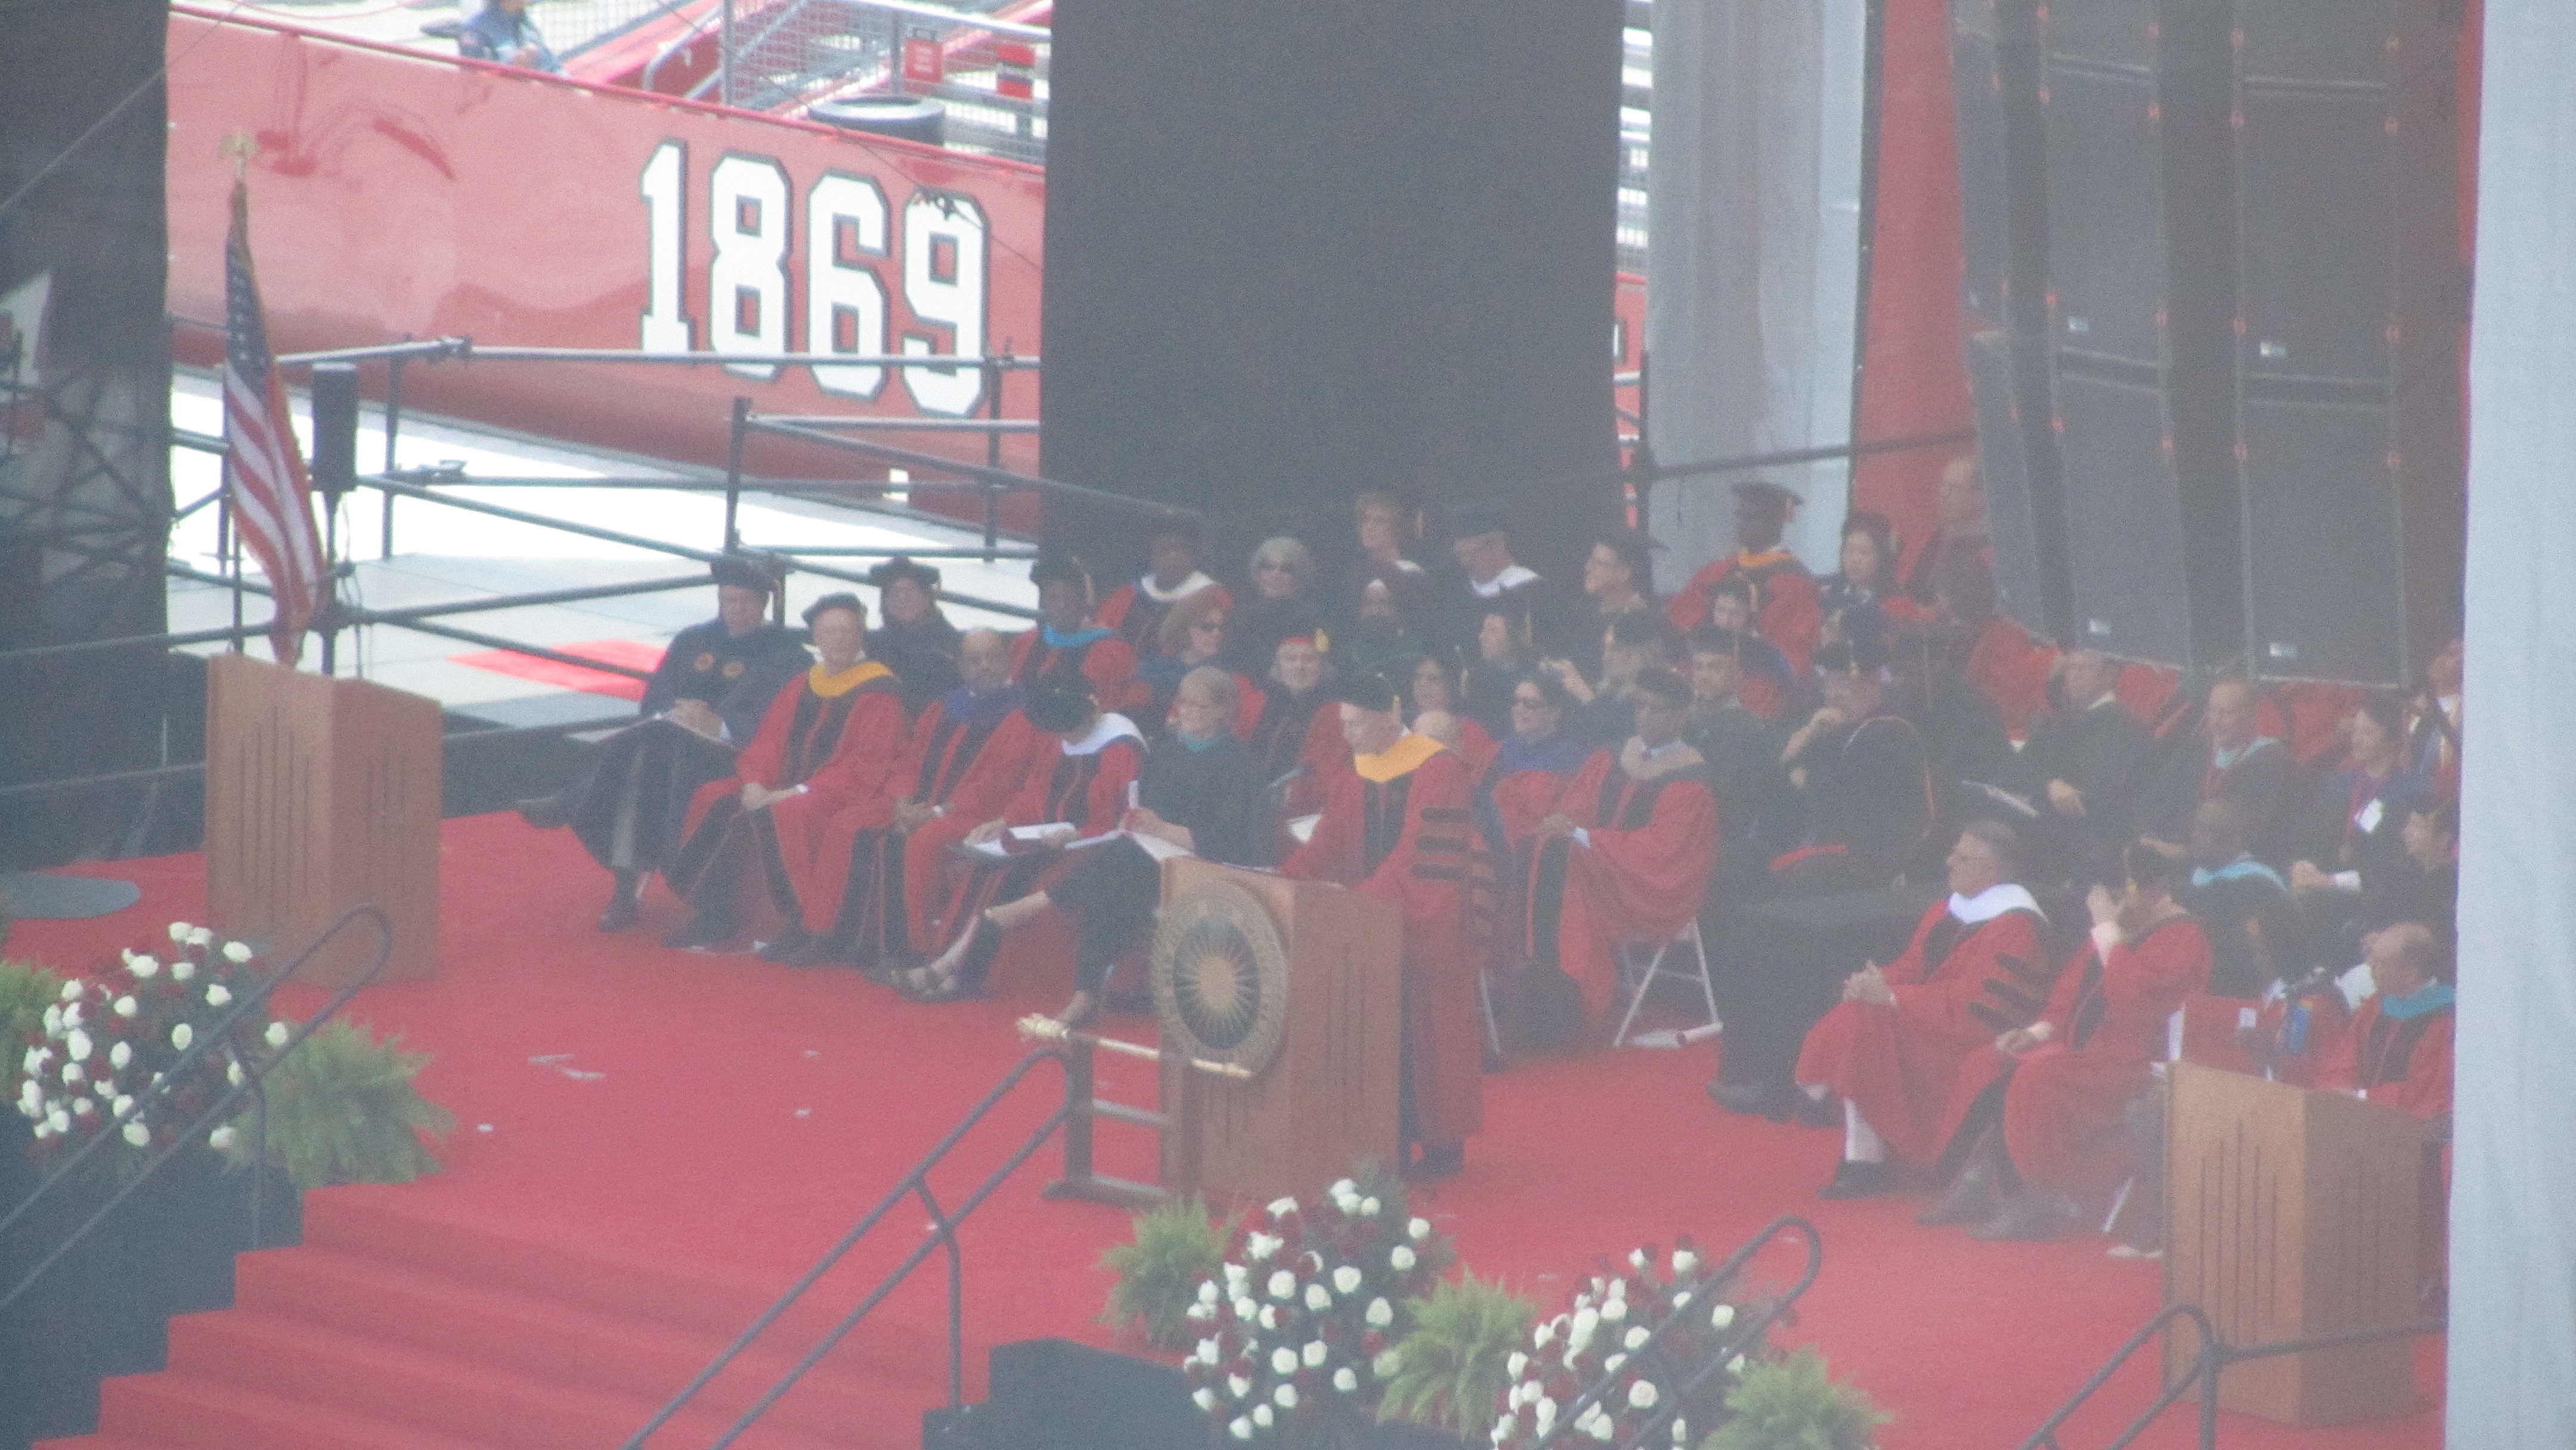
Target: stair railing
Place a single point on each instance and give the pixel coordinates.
(253, 1073)
(1738, 1337)
(944, 1224)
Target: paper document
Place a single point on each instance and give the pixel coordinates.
(2009, 801)
(1302, 829)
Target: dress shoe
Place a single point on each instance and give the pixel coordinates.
(1971, 1199)
(545, 812)
(625, 907)
(1815, 1112)
(1754, 1099)
(1439, 1160)
(2023, 1218)
(1859, 1180)
(700, 931)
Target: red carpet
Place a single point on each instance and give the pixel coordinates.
(701, 1127)
(633, 653)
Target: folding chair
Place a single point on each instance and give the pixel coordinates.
(1688, 937)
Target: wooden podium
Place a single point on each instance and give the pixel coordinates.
(1332, 1094)
(2295, 1212)
(321, 794)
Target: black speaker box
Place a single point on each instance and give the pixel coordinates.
(335, 428)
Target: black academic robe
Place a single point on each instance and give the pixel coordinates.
(1111, 890)
(922, 654)
(1869, 805)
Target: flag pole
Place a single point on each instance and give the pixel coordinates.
(240, 147)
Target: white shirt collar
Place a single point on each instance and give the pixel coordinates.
(1110, 728)
(1512, 577)
(1183, 590)
(1992, 902)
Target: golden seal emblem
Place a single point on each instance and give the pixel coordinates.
(1220, 976)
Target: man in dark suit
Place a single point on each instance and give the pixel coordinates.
(2081, 768)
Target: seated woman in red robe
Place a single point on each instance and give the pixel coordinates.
(2398, 1050)
(817, 777)
(1626, 854)
(1395, 827)
(1084, 794)
(1068, 641)
(2039, 1119)
(1892, 1045)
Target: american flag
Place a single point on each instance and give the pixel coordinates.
(272, 503)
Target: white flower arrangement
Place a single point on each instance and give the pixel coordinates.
(1316, 1345)
(1608, 1336)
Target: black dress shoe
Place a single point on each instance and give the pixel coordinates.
(700, 931)
(624, 910)
(1859, 1180)
(1816, 1112)
(545, 812)
(1754, 1099)
(1439, 1160)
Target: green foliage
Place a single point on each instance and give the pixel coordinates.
(1176, 1248)
(25, 992)
(1452, 1370)
(1791, 1404)
(342, 1109)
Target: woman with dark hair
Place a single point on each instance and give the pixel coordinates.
(1066, 641)
(2371, 798)
(1280, 605)
(1506, 649)
(1193, 633)
(1530, 766)
(1431, 687)
(915, 640)
(1098, 755)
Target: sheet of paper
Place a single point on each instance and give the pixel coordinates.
(1302, 829)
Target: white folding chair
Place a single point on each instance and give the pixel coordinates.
(1688, 937)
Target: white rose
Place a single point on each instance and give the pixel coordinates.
(1642, 1395)
(138, 1135)
(1386, 1364)
(145, 967)
(277, 1033)
(1346, 1279)
(1342, 1187)
(1318, 1298)
(1260, 1246)
(1681, 1430)
(1380, 1313)
(75, 1014)
(1261, 1416)
(1517, 1363)
(1633, 1338)
(1721, 1316)
(1238, 1385)
(1268, 1318)
(59, 1120)
(127, 1006)
(53, 1021)
(72, 1073)
(1204, 1398)
(1201, 1312)
(1586, 1321)
(203, 936)
(31, 1099)
(1400, 1258)
(1618, 1289)
(1282, 1207)
(1208, 1352)
(1636, 1258)
(72, 989)
(1611, 1365)
(1236, 1276)
(1735, 1366)
(1682, 1299)
(123, 1104)
(1346, 1379)
(83, 1107)
(179, 931)
(1315, 1352)
(43, 1131)
(233, 1073)
(223, 1137)
(1207, 1291)
(1615, 1310)
(1368, 1208)
(218, 995)
(1547, 1331)
(1684, 1261)
(182, 1035)
(1419, 1229)
(1286, 1396)
(1283, 1285)
(1283, 1360)
(1546, 1412)
(78, 1045)
(1503, 1428)
(238, 952)
(1241, 1429)
(1604, 1428)
(183, 970)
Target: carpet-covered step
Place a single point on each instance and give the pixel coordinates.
(439, 1394)
(552, 1339)
(388, 1227)
(187, 1412)
(102, 1442)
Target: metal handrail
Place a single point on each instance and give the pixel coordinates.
(218, 1036)
(943, 1225)
(2208, 1361)
(1733, 1341)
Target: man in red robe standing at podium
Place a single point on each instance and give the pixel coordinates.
(1893, 1044)
(1627, 853)
(1785, 602)
(1397, 828)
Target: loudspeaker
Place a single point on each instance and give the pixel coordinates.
(1293, 248)
(335, 429)
(2017, 459)
(2351, 307)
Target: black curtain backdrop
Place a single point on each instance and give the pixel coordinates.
(84, 412)
(1296, 247)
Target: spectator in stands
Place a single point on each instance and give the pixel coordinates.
(1171, 575)
(1862, 783)
(1891, 1047)
(1961, 729)
(1066, 640)
(1396, 827)
(1619, 580)
(1637, 641)
(2253, 770)
(1765, 683)
(807, 800)
(1431, 688)
(1742, 751)
(2399, 1049)
(1282, 605)
(1083, 791)
(914, 639)
(1381, 637)
(1962, 532)
(1626, 853)
(503, 31)
(1192, 634)
(2039, 1119)
(1784, 593)
(1481, 541)
(1198, 796)
(2242, 905)
(1530, 766)
(1505, 650)
(2003, 662)
(706, 700)
(1389, 527)
(1299, 733)
(2425, 886)
(2082, 765)
(2370, 798)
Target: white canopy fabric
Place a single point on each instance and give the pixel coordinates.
(2513, 1192)
(1753, 264)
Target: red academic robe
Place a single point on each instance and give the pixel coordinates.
(1958, 986)
(1138, 616)
(842, 739)
(1396, 826)
(973, 772)
(1653, 832)
(1787, 609)
(2404, 1064)
(1086, 786)
(1327, 760)
(1108, 662)
(2011, 669)
(2066, 1101)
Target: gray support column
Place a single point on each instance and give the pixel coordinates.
(2513, 1194)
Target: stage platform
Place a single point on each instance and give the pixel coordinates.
(651, 1143)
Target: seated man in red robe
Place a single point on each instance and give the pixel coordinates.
(1892, 1046)
(971, 750)
(1626, 855)
(1396, 828)
(1785, 602)
(1098, 756)
(1066, 640)
(2040, 1118)
(2398, 1050)
(815, 777)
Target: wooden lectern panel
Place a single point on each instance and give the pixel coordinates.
(2294, 1213)
(1332, 1095)
(321, 794)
